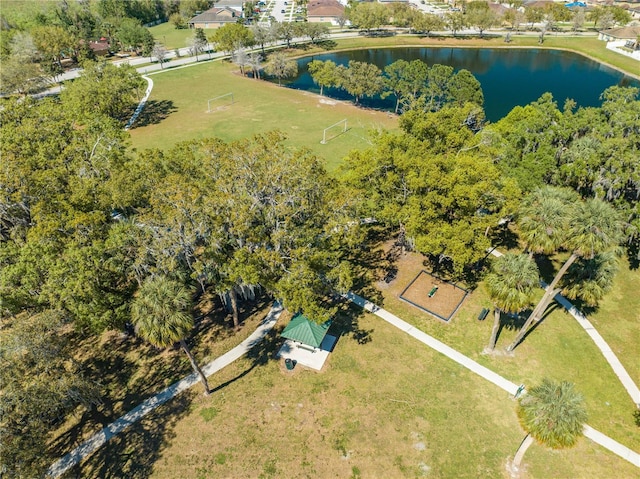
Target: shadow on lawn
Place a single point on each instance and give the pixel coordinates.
(134, 453)
(516, 321)
(154, 112)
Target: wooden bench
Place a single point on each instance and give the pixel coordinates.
(433, 291)
(483, 314)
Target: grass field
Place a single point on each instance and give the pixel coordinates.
(429, 417)
(178, 104)
(558, 348)
(171, 37)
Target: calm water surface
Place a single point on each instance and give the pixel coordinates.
(509, 77)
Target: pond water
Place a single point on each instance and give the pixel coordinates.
(509, 77)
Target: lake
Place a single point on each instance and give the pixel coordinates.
(509, 77)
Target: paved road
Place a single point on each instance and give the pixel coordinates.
(98, 440)
(596, 436)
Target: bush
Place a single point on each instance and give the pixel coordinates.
(178, 21)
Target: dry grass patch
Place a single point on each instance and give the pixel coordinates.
(386, 407)
(130, 370)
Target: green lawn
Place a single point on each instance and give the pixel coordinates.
(618, 318)
(171, 37)
(178, 108)
(259, 106)
(558, 348)
(383, 407)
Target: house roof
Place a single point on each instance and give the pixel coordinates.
(100, 46)
(213, 15)
(302, 329)
(324, 8)
(624, 33)
(229, 3)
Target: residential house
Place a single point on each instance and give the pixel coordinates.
(617, 34)
(324, 11)
(215, 17)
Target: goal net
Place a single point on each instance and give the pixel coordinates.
(220, 102)
(333, 131)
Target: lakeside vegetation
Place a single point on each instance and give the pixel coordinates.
(91, 229)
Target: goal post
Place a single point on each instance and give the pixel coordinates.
(331, 136)
(221, 97)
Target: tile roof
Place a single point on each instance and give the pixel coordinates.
(324, 8)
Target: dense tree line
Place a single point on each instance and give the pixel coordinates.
(414, 84)
(100, 237)
(372, 16)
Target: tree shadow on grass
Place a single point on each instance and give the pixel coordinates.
(347, 322)
(154, 112)
(516, 321)
(134, 452)
(505, 238)
(546, 268)
(633, 254)
(373, 264)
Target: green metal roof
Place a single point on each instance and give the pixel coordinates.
(302, 329)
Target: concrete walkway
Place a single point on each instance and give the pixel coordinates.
(142, 103)
(605, 349)
(98, 440)
(596, 436)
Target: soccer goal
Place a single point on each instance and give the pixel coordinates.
(331, 130)
(222, 101)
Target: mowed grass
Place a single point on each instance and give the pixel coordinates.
(558, 348)
(130, 370)
(385, 407)
(618, 319)
(178, 104)
(171, 37)
(180, 98)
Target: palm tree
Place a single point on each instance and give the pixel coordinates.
(593, 227)
(510, 284)
(159, 314)
(552, 414)
(543, 219)
(589, 279)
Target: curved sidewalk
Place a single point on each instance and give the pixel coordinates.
(142, 103)
(98, 440)
(596, 436)
(605, 349)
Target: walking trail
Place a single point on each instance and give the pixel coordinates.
(98, 440)
(596, 436)
(609, 355)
